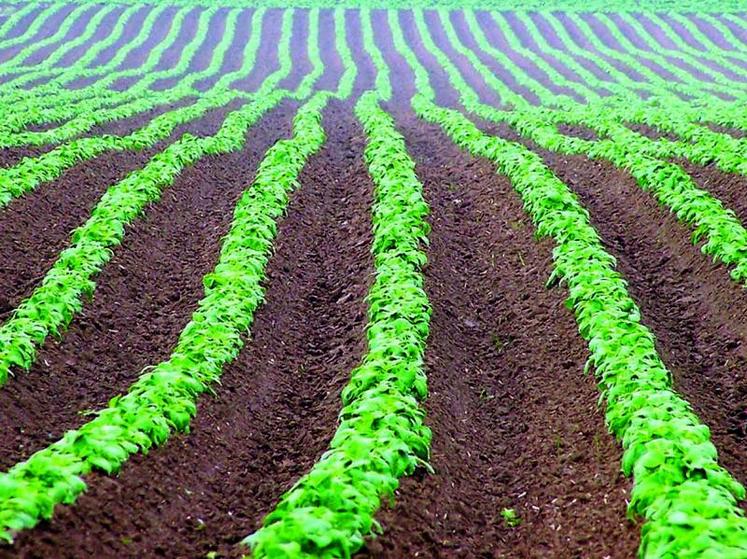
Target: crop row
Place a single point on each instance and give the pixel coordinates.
(162, 400)
(96, 103)
(725, 236)
(381, 435)
(599, 54)
(59, 297)
(690, 503)
(565, 5)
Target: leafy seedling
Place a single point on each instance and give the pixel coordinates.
(510, 518)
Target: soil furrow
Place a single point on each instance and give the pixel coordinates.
(275, 410)
(514, 418)
(727, 187)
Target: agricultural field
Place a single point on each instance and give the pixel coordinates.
(373, 279)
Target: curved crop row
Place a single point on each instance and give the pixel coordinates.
(32, 171)
(726, 238)
(59, 297)
(60, 32)
(163, 399)
(608, 116)
(50, 70)
(567, 5)
(630, 106)
(689, 501)
(55, 95)
(41, 21)
(711, 50)
(86, 120)
(668, 56)
(381, 436)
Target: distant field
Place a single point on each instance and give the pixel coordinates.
(373, 280)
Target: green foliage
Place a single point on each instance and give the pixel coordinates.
(381, 435)
(32, 171)
(53, 304)
(163, 399)
(510, 518)
(565, 5)
(690, 503)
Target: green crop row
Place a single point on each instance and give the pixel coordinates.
(163, 399)
(695, 56)
(41, 21)
(383, 81)
(634, 58)
(28, 107)
(608, 116)
(726, 238)
(690, 503)
(36, 45)
(53, 304)
(66, 103)
(49, 70)
(90, 111)
(663, 110)
(381, 435)
(686, 6)
(86, 121)
(58, 298)
(32, 171)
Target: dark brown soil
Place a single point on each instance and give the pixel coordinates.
(12, 155)
(516, 423)
(651, 132)
(330, 57)
(22, 26)
(581, 40)
(143, 299)
(736, 43)
(578, 131)
(299, 42)
(187, 32)
(277, 404)
(728, 188)
(734, 132)
(514, 418)
(673, 54)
